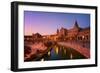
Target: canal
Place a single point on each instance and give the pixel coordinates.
(61, 53)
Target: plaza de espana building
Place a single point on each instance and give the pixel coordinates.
(76, 33)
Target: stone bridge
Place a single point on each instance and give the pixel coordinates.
(82, 50)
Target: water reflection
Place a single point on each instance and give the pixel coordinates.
(62, 53)
(49, 53)
(42, 59)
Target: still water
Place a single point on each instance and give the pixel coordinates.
(61, 53)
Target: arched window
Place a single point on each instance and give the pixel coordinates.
(87, 37)
(79, 38)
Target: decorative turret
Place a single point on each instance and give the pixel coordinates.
(75, 29)
(76, 25)
(57, 31)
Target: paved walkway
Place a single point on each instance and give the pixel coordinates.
(84, 51)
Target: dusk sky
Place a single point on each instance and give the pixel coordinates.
(47, 23)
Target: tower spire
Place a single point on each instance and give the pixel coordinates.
(76, 25)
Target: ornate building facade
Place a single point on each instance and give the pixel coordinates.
(74, 34)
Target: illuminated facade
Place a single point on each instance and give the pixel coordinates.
(74, 34)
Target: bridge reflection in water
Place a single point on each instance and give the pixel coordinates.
(61, 53)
